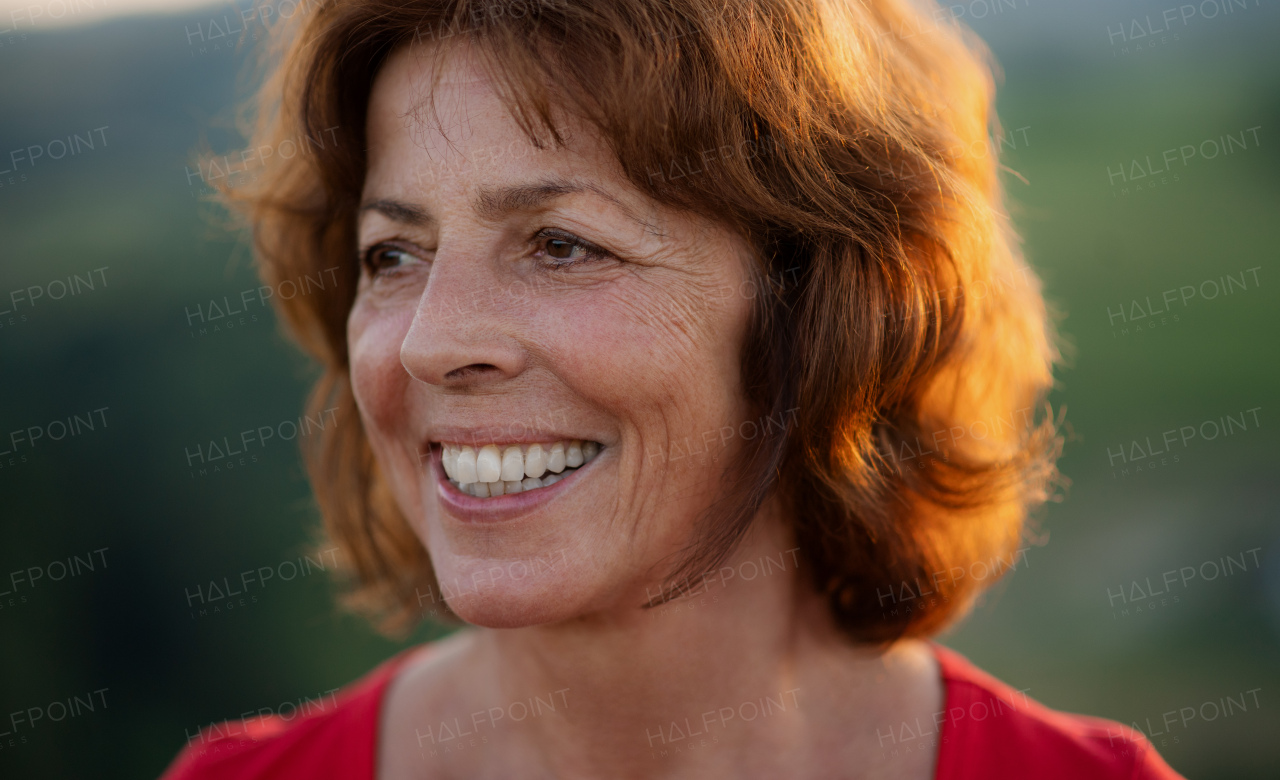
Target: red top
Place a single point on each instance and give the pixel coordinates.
(987, 731)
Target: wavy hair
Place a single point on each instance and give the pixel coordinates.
(899, 340)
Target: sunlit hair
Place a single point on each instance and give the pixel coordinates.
(897, 331)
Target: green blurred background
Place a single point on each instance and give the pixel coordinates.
(1084, 94)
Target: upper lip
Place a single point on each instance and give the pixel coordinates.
(486, 435)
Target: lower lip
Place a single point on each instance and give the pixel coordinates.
(470, 509)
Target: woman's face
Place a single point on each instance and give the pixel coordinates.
(523, 311)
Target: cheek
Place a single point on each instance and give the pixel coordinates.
(677, 345)
(378, 378)
(383, 391)
(626, 355)
(662, 360)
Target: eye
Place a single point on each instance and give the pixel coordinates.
(561, 250)
(388, 256)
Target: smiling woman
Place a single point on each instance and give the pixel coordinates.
(583, 246)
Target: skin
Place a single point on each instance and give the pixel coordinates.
(471, 329)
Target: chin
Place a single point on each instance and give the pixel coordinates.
(512, 592)
(513, 608)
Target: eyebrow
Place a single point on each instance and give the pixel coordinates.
(397, 211)
(493, 204)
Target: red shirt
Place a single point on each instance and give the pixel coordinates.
(986, 731)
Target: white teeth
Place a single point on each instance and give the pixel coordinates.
(488, 464)
(573, 455)
(512, 464)
(495, 470)
(449, 459)
(465, 465)
(535, 461)
(555, 458)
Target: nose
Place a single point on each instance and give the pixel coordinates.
(459, 336)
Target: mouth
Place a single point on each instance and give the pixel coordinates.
(493, 470)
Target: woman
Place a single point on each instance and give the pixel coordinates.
(683, 351)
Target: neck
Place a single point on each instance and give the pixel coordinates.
(704, 684)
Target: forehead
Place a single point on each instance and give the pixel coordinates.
(436, 119)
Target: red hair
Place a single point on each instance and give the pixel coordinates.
(895, 313)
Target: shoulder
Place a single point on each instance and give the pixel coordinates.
(992, 731)
(332, 738)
